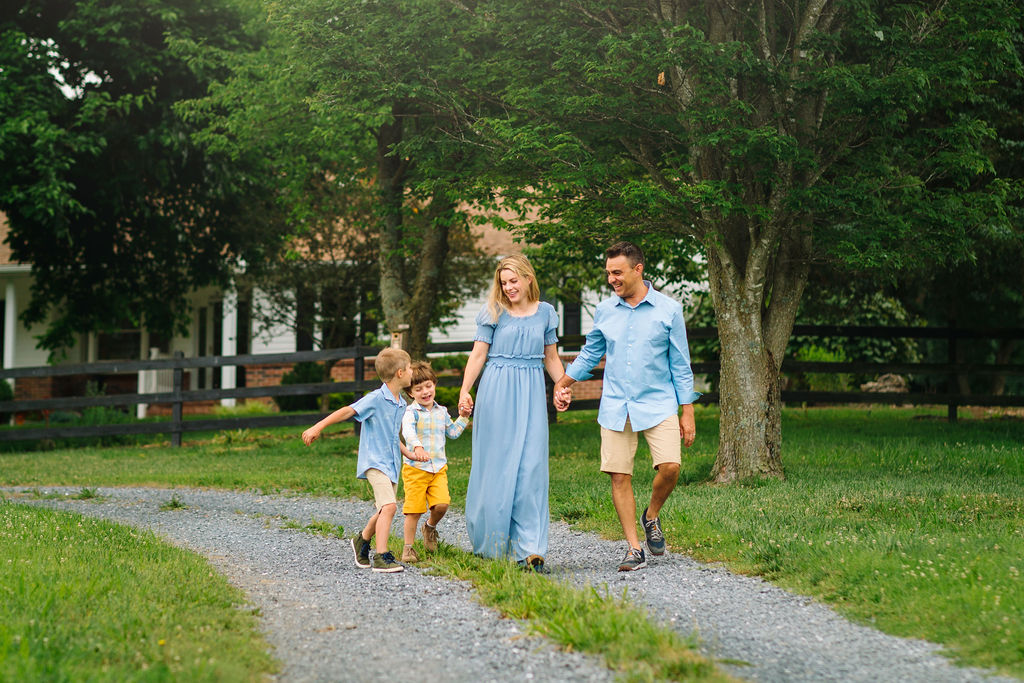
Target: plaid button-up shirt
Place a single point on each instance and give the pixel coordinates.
(428, 427)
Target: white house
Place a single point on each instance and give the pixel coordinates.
(221, 325)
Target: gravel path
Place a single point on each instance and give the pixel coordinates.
(323, 615)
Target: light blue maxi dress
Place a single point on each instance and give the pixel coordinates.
(507, 496)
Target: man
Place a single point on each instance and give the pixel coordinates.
(647, 376)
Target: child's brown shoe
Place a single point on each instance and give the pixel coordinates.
(409, 555)
(429, 537)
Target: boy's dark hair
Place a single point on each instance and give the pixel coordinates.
(421, 372)
(632, 252)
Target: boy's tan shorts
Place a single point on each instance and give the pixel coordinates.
(619, 448)
(385, 491)
(424, 490)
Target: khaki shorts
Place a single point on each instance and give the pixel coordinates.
(619, 448)
(424, 490)
(385, 491)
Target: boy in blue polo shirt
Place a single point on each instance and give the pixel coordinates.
(380, 458)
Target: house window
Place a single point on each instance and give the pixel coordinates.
(121, 344)
(305, 317)
(218, 340)
(242, 339)
(572, 318)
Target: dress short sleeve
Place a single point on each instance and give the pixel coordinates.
(484, 326)
(551, 328)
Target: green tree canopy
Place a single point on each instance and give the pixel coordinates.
(118, 211)
(765, 135)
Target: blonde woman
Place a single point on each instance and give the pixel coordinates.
(507, 497)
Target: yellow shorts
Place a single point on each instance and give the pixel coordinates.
(424, 490)
(619, 448)
(385, 491)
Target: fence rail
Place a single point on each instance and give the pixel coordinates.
(178, 396)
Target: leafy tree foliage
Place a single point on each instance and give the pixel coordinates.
(355, 100)
(118, 212)
(764, 134)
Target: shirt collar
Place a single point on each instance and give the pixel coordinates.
(416, 405)
(389, 396)
(646, 299)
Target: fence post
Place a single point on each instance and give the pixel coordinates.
(176, 402)
(954, 388)
(358, 375)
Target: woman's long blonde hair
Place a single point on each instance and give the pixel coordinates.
(520, 265)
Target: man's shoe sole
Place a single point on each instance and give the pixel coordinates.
(355, 553)
(388, 570)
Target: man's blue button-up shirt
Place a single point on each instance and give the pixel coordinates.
(647, 373)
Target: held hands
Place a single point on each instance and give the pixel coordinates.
(419, 454)
(465, 404)
(562, 398)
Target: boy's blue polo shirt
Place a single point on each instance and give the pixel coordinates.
(647, 373)
(381, 417)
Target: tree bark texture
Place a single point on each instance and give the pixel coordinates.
(758, 264)
(409, 282)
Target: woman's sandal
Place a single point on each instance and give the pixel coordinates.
(533, 563)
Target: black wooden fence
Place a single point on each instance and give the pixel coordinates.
(178, 395)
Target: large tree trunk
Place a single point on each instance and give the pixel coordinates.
(391, 171)
(756, 308)
(750, 427)
(441, 215)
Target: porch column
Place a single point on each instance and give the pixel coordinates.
(144, 383)
(229, 344)
(10, 327)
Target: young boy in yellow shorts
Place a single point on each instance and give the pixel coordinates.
(425, 476)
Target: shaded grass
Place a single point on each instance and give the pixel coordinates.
(588, 620)
(90, 600)
(897, 518)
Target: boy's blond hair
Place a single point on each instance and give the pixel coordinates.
(520, 265)
(421, 372)
(389, 362)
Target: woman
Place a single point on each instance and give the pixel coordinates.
(507, 497)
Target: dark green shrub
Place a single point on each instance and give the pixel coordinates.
(454, 361)
(449, 398)
(302, 373)
(341, 399)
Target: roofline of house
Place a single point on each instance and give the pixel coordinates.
(15, 268)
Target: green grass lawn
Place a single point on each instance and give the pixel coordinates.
(86, 600)
(895, 517)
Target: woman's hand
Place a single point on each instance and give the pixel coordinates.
(465, 403)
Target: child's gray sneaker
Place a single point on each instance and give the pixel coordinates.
(361, 551)
(652, 530)
(633, 560)
(385, 562)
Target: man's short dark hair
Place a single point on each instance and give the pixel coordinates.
(632, 252)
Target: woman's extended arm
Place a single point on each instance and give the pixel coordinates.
(474, 366)
(553, 362)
